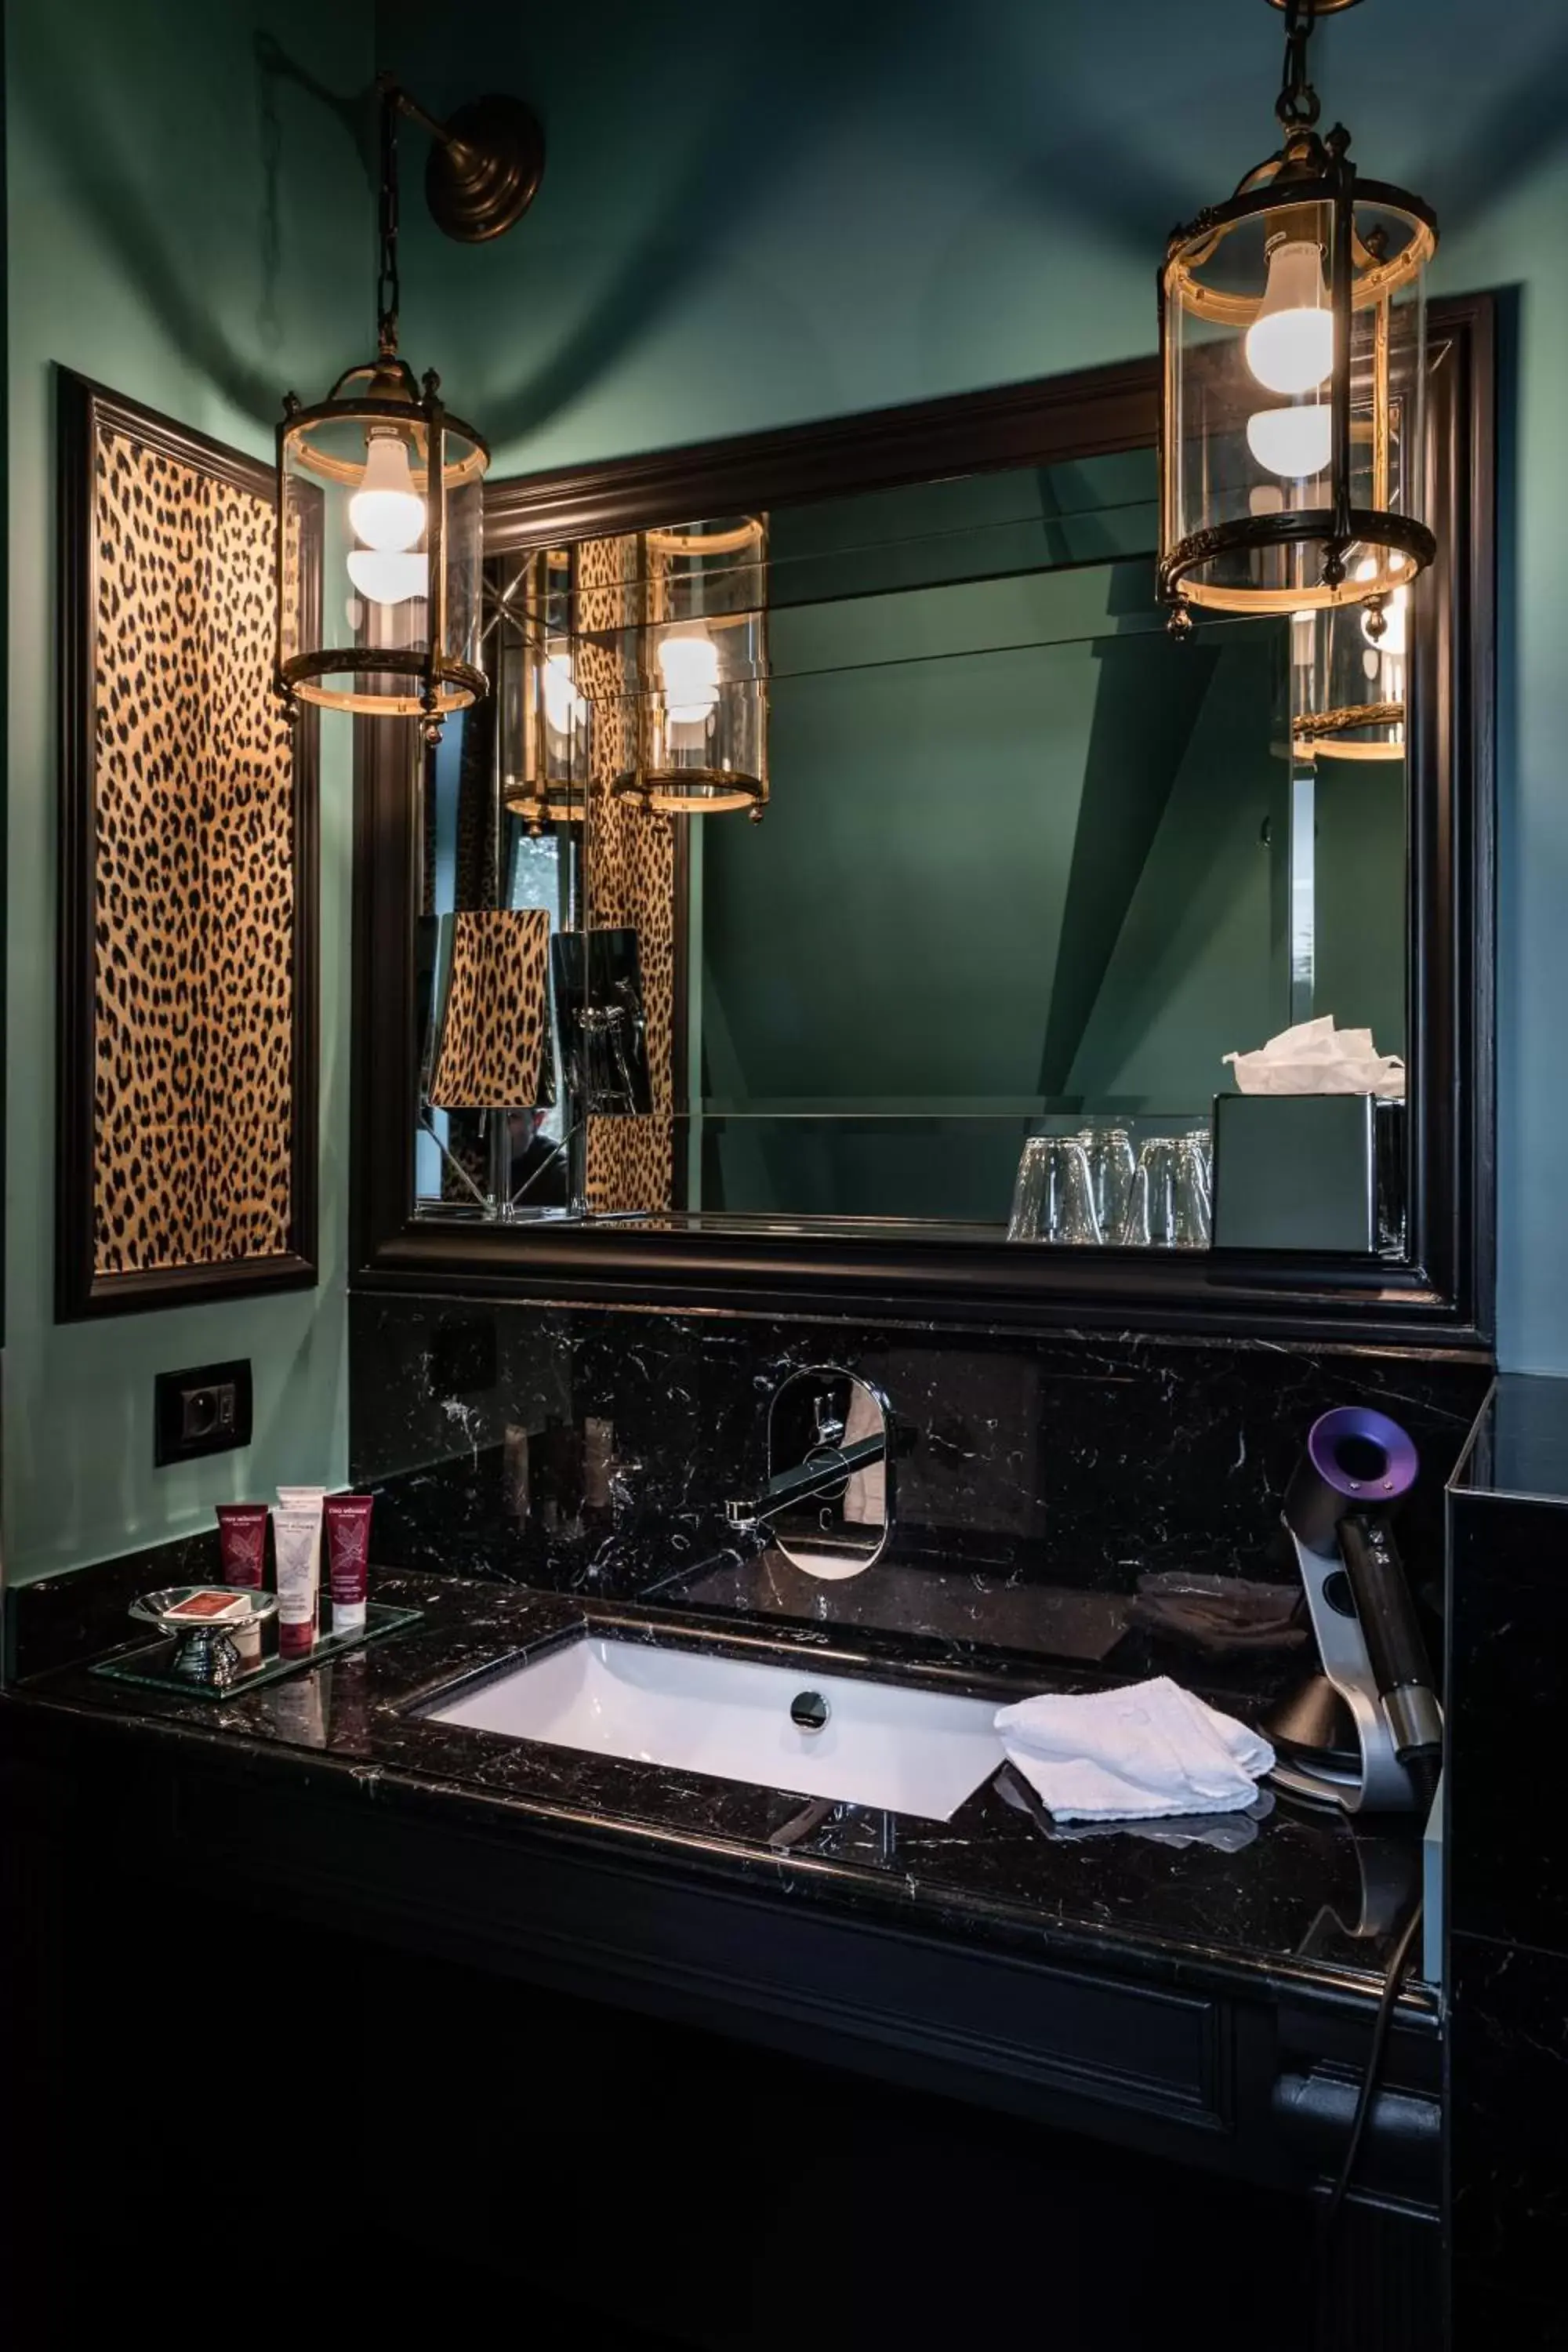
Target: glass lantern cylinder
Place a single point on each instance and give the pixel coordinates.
(1348, 679)
(543, 732)
(701, 670)
(1293, 352)
(381, 549)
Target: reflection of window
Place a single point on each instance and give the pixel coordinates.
(536, 879)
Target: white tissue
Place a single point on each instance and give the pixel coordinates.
(1316, 1058)
(1146, 1752)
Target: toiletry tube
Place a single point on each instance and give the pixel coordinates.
(298, 1537)
(299, 1710)
(242, 1549)
(348, 1558)
(242, 1542)
(311, 1499)
(302, 1499)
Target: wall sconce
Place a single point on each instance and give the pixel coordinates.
(543, 732)
(379, 487)
(1348, 681)
(1293, 350)
(700, 671)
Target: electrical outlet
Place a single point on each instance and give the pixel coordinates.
(205, 1411)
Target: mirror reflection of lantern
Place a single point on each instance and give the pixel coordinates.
(702, 669)
(544, 737)
(1349, 669)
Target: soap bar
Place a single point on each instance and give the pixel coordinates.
(222, 1606)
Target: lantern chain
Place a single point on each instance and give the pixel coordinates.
(1297, 105)
(387, 288)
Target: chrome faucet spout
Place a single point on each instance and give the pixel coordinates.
(823, 1473)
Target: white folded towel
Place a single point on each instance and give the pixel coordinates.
(1137, 1754)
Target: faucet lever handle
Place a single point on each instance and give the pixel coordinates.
(830, 1422)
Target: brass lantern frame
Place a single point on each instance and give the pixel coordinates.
(437, 684)
(1307, 172)
(484, 171)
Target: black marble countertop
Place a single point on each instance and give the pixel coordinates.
(1283, 1912)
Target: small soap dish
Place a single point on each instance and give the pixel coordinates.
(217, 1626)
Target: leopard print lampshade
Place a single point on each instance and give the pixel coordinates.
(492, 1022)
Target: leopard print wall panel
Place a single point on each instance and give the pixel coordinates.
(631, 879)
(494, 1011)
(193, 882)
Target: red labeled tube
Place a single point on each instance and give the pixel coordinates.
(242, 1548)
(348, 1559)
(242, 1542)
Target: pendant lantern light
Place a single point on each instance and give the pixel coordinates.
(380, 544)
(544, 733)
(1293, 360)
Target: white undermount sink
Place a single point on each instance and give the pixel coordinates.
(889, 1744)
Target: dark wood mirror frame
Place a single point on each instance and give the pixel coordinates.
(1440, 1296)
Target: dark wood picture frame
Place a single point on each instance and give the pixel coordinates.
(1440, 1295)
(84, 411)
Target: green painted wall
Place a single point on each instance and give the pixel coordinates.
(189, 223)
(1201, 965)
(753, 217)
(1360, 961)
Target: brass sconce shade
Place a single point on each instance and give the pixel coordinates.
(543, 736)
(380, 547)
(1294, 351)
(690, 725)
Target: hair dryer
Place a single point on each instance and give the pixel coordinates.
(1367, 1733)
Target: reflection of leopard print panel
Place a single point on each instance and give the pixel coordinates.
(194, 873)
(492, 1027)
(631, 880)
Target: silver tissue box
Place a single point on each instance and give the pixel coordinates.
(1321, 1172)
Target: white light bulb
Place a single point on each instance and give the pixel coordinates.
(690, 666)
(387, 576)
(564, 705)
(1294, 442)
(1290, 343)
(387, 510)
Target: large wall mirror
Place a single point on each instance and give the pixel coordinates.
(851, 881)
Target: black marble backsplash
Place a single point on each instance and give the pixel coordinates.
(593, 1450)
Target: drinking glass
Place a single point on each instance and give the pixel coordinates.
(1151, 1219)
(1110, 1172)
(1192, 1222)
(1202, 1142)
(1053, 1198)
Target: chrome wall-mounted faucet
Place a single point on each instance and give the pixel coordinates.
(829, 1502)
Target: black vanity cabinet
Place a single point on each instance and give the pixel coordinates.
(489, 1979)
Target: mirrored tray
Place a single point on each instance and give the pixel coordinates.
(152, 1665)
